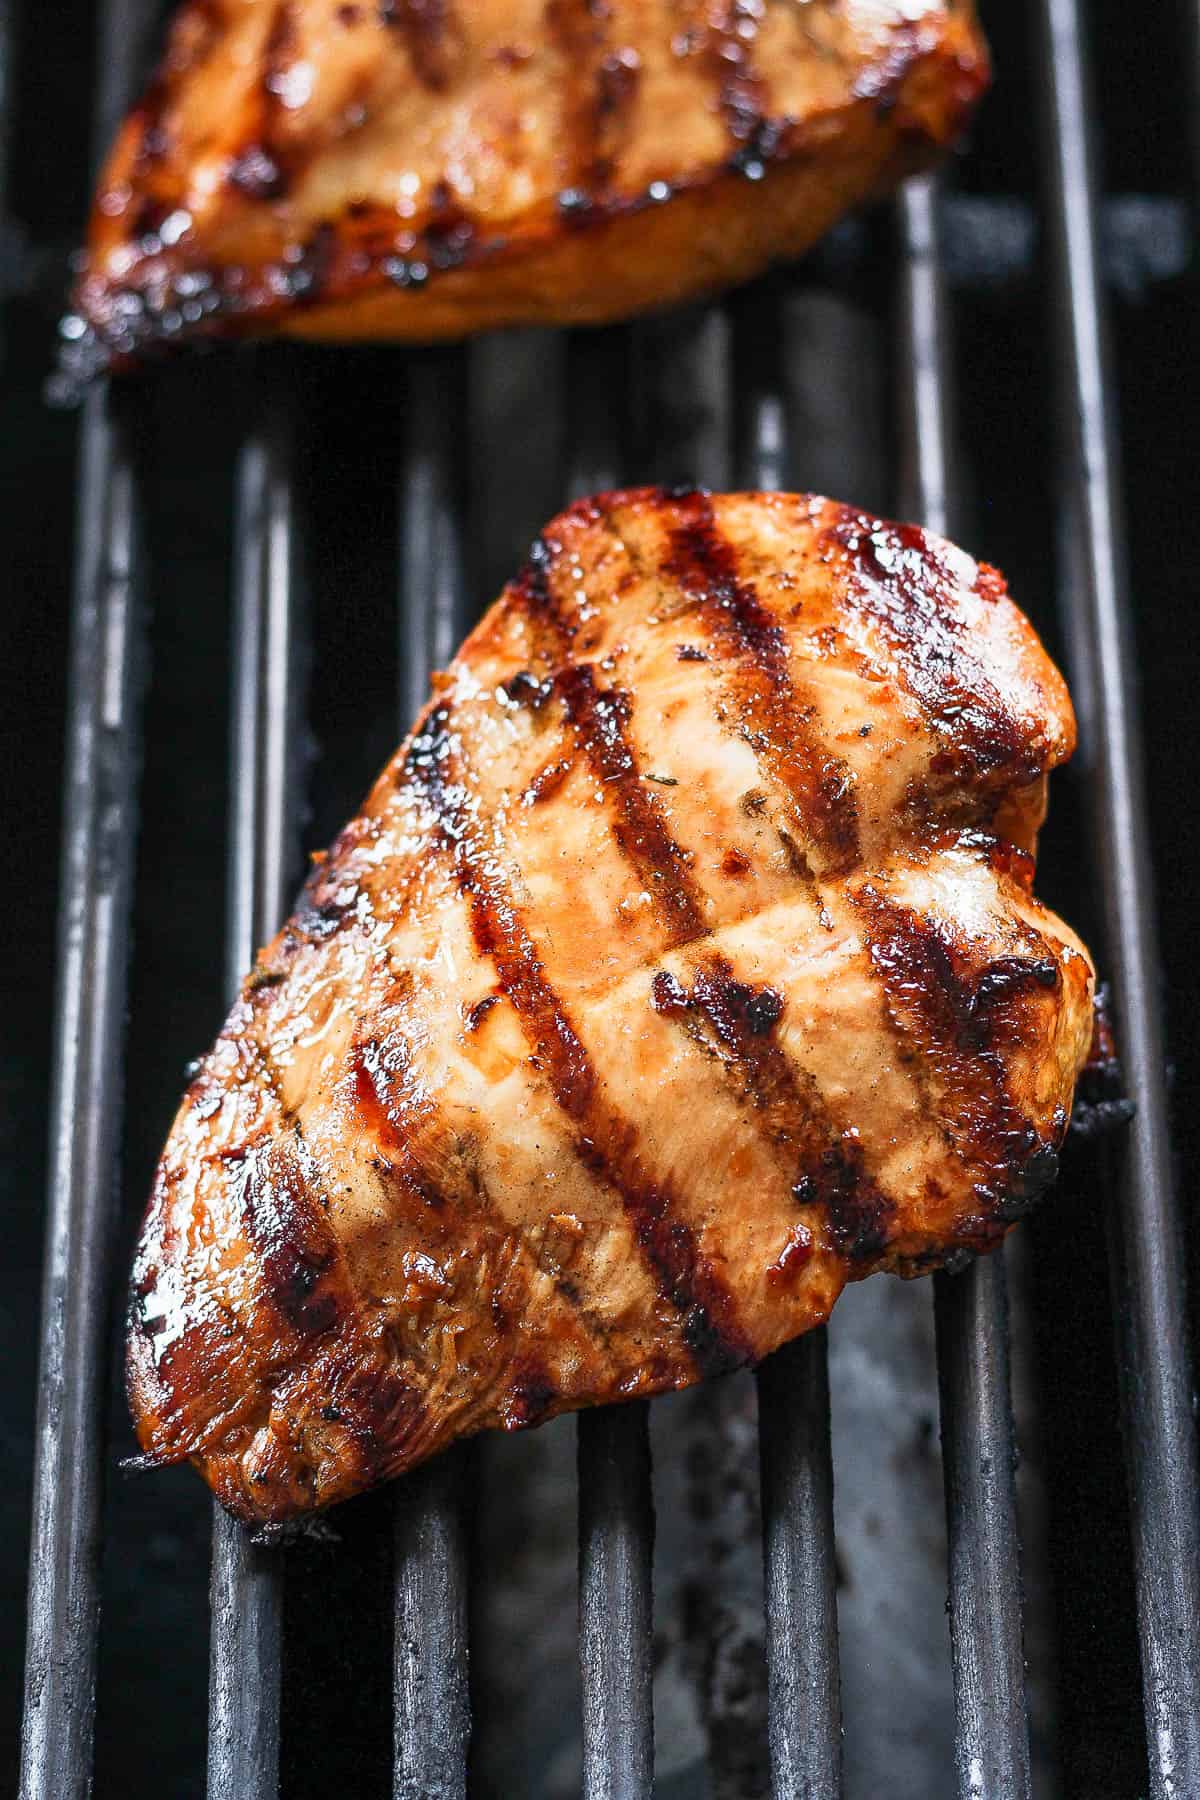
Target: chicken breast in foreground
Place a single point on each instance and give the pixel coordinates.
(681, 967)
(405, 170)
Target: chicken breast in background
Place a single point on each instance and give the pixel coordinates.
(681, 967)
(417, 171)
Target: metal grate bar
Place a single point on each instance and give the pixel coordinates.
(991, 1740)
(978, 1453)
(431, 1698)
(97, 875)
(616, 1505)
(247, 1581)
(264, 821)
(804, 1715)
(925, 398)
(616, 1619)
(99, 830)
(1145, 1247)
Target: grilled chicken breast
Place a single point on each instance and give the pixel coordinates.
(681, 967)
(423, 169)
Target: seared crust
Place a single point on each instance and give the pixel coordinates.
(422, 171)
(682, 966)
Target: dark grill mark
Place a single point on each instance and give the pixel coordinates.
(739, 1021)
(1002, 857)
(292, 1239)
(740, 91)
(529, 1397)
(604, 1141)
(903, 585)
(950, 1020)
(524, 689)
(280, 46)
(531, 592)
(449, 233)
(1011, 974)
(263, 170)
(773, 717)
(599, 719)
(174, 1376)
(255, 173)
(320, 913)
(598, 84)
(146, 222)
(764, 145)
(798, 865)
(616, 83)
(391, 1111)
(383, 1414)
(432, 35)
(309, 274)
(480, 1011)
(547, 781)
(268, 163)
(194, 35)
(758, 140)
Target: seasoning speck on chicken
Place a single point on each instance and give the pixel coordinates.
(535, 1105)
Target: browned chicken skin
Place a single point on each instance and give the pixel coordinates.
(413, 170)
(682, 966)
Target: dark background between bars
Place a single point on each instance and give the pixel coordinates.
(349, 431)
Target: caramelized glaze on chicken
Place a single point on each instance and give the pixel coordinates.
(681, 967)
(411, 169)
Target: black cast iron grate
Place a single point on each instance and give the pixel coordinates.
(431, 1576)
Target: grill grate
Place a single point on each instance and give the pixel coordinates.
(1145, 1252)
(432, 1709)
(247, 1599)
(992, 1723)
(97, 867)
(804, 1690)
(616, 1508)
(690, 369)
